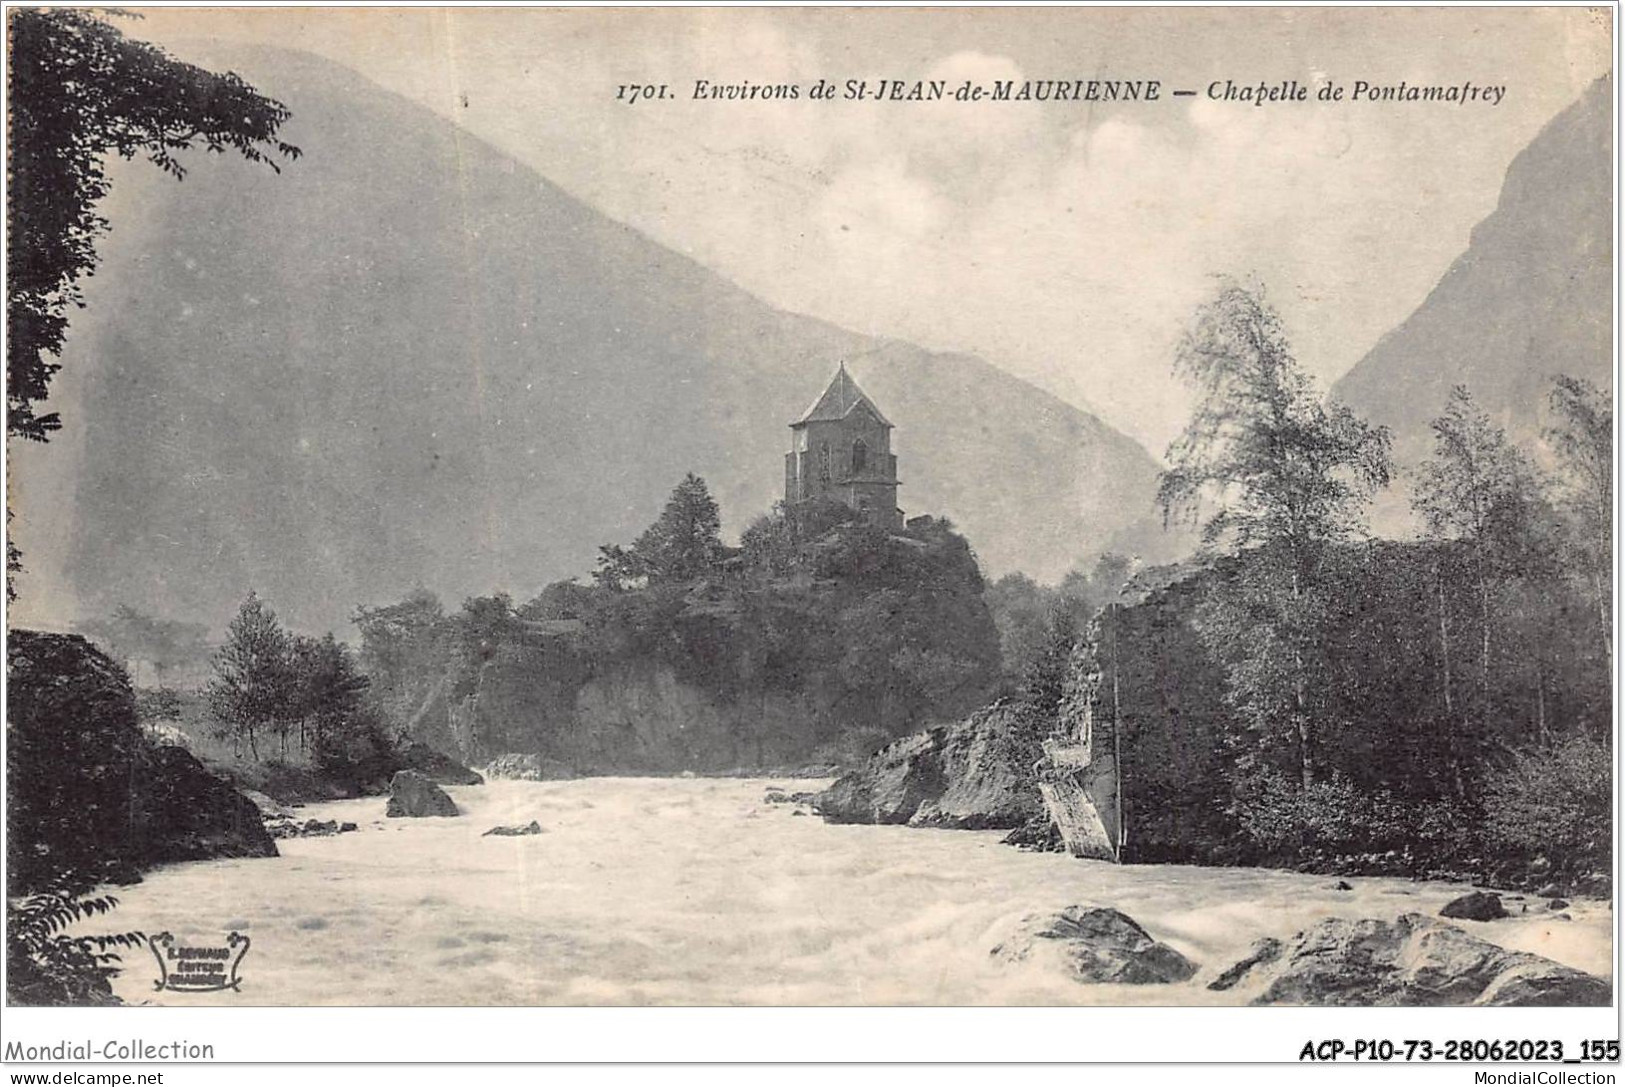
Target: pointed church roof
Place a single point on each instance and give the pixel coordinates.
(838, 401)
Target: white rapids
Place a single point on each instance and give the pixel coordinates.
(698, 891)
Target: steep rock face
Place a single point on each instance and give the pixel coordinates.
(86, 792)
(972, 775)
(409, 360)
(630, 717)
(1530, 298)
(1411, 961)
(645, 717)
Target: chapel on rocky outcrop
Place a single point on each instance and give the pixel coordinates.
(841, 449)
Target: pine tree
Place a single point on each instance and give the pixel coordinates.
(682, 545)
(252, 690)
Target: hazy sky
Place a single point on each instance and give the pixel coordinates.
(1066, 242)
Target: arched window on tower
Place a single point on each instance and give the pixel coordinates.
(860, 457)
(823, 462)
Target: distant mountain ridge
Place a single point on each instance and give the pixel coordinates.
(409, 360)
(1530, 298)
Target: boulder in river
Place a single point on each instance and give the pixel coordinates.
(1100, 944)
(415, 796)
(1413, 961)
(1477, 906)
(514, 831)
(1265, 950)
(971, 775)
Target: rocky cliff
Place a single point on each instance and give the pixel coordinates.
(636, 717)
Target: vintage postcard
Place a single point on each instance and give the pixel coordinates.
(811, 507)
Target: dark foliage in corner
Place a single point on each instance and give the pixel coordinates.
(44, 965)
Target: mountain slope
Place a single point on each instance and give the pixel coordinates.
(409, 360)
(1532, 296)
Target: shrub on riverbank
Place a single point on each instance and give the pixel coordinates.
(1555, 806)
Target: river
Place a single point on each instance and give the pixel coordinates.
(698, 891)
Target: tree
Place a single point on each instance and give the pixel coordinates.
(774, 544)
(252, 687)
(327, 692)
(404, 651)
(682, 545)
(1583, 439)
(1286, 472)
(1478, 491)
(1045, 676)
(79, 91)
(1021, 610)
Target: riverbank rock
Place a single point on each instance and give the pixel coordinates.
(1595, 885)
(181, 812)
(269, 807)
(1477, 906)
(890, 788)
(411, 795)
(972, 775)
(91, 797)
(517, 767)
(515, 831)
(438, 768)
(1265, 950)
(1099, 944)
(1414, 961)
(1038, 834)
